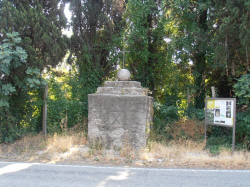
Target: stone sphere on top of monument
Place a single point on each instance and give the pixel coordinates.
(123, 75)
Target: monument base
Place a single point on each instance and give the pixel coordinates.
(117, 118)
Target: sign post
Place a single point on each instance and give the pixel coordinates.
(222, 112)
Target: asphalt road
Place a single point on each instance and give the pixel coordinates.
(36, 175)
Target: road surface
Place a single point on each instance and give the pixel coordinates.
(34, 174)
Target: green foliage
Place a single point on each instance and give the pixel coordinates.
(168, 113)
(97, 27)
(243, 129)
(40, 25)
(11, 57)
(218, 143)
(64, 108)
(195, 113)
(214, 35)
(145, 33)
(40, 44)
(231, 39)
(18, 113)
(190, 38)
(34, 80)
(163, 117)
(242, 89)
(64, 114)
(9, 130)
(96, 34)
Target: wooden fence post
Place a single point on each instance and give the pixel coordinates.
(45, 110)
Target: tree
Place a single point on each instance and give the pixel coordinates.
(231, 44)
(12, 57)
(192, 41)
(146, 32)
(39, 24)
(214, 34)
(97, 26)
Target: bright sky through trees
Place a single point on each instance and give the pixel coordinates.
(67, 13)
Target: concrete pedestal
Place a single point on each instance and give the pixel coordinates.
(119, 113)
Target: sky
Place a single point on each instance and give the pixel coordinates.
(68, 16)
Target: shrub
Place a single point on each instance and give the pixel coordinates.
(64, 114)
(192, 129)
(195, 113)
(243, 129)
(9, 130)
(163, 116)
(242, 91)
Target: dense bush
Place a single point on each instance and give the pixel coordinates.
(195, 113)
(9, 130)
(217, 144)
(243, 129)
(65, 107)
(242, 91)
(20, 95)
(169, 124)
(163, 117)
(64, 114)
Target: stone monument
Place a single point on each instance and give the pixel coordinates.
(120, 113)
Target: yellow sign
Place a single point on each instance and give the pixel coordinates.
(210, 103)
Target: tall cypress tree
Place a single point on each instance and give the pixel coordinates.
(39, 24)
(215, 36)
(97, 26)
(231, 43)
(146, 32)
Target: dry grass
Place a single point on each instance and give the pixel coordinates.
(60, 143)
(73, 148)
(65, 142)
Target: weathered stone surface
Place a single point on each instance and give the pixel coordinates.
(120, 90)
(118, 118)
(123, 75)
(122, 84)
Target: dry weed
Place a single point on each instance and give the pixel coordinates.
(128, 152)
(79, 139)
(60, 143)
(186, 129)
(109, 155)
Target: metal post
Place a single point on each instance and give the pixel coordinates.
(44, 124)
(205, 135)
(124, 55)
(233, 146)
(205, 130)
(234, 126)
